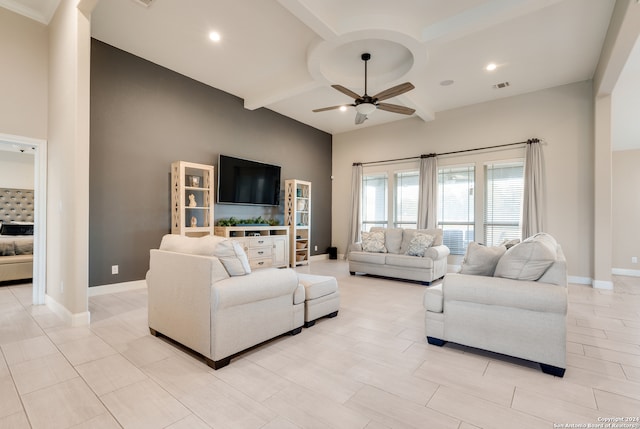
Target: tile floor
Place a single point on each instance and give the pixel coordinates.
(368, 368)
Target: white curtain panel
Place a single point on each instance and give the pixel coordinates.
(533, 209)
(355, 225)
(428, 192)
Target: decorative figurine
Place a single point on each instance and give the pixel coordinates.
(192, 201)
(194, 222)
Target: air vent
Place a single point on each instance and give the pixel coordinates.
(501, 85)
(145, 3)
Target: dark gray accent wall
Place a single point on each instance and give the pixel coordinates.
(143, 117)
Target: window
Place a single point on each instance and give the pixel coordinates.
(406, 199)
(504, 185)
(374, 200)
(456, 206)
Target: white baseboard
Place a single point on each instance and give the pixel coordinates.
(321, 257)
(71, 319)
(580, 280)
(603, 284)
(117, 287)
(625, 272)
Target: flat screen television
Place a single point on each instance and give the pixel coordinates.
(242, 181)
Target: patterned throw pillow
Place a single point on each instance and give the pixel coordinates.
(419, 244)
(373, 242)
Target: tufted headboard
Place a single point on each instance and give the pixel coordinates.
(16, 205)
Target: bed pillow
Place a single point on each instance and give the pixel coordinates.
(17, 228)
(419, 244)
(481, 260)
(373, 242)
(233, 257)
(7, 249)
(25, 248)
(528, 260)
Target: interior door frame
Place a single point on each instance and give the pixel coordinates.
(40, 210)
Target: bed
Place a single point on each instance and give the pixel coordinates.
(16, 234)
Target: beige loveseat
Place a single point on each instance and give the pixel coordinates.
(515, 304)
(408, 254)
(203, 295)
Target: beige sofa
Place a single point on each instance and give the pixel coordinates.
(393, 256)
(203, 295)
(517, 309)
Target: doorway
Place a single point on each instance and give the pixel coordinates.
(39, 149)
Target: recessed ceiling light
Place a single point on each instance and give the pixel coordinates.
(491, 67)
(446, 82)
(215, 36)
(343, 108)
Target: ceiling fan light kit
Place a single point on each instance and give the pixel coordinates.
(365, 108)
(366, 104)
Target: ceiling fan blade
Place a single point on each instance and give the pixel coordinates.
(346, 91)
(394, 91)
(324, 109)
(360, 118)
(396, 108)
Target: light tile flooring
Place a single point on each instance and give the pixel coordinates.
(370, 367)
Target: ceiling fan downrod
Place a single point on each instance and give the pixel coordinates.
(365, 57)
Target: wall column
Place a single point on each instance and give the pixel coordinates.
(68, 150)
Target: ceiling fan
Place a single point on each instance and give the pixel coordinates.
(367, 104)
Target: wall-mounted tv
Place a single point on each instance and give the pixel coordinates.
(242, 181)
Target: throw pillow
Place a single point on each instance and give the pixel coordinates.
(233, 258)
(528, 260)
(25, 248)
(7, 249)
(419, 244)
(408, 235)
(373, 242)
(510, 243)
(481, 260)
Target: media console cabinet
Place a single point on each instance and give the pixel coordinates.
(266, 246)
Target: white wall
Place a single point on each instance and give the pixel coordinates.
(23, 76)
(561, 116)
(16, 170)
(626, 209)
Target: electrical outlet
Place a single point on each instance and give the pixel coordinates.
(114, 269)
(315, 248)
(634, 259)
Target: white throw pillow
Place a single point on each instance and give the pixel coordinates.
(233, 257)
(373, 242)
(528, 260)
(481, 260)
(204, 246)
(419, 244)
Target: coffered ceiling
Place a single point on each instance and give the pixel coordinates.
(284, 55)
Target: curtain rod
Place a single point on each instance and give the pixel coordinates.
(431, 155)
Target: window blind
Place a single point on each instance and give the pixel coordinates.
(456, 206)
(406, 199)
(374, 200)
(504, 184)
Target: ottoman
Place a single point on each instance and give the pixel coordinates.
(322, 297)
